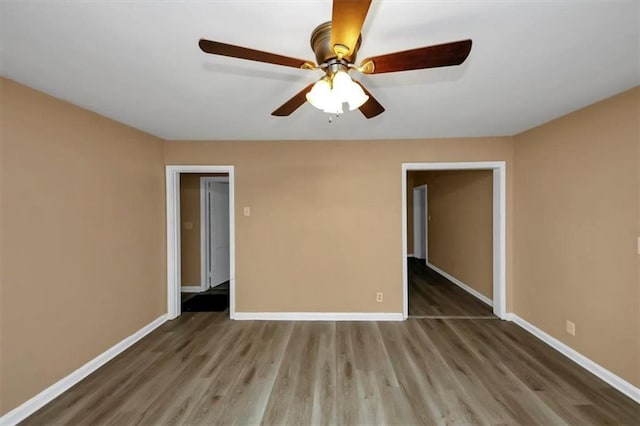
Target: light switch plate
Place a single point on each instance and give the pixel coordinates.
(247, 211)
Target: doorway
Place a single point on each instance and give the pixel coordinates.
(224, 205)
(204, 242)
(498, 224)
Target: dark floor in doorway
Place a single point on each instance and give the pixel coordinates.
(206, 302)
(215, 299)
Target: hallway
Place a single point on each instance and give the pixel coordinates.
(432, 295)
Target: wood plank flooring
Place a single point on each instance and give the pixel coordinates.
(431, 294)
(204, 369)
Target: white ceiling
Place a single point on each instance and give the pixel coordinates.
(138, 62)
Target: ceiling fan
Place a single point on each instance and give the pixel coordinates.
(336, 45)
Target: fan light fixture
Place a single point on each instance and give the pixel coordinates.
(335, 44)
(330, 92)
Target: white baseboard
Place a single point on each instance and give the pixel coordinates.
(410, 255)
(23, 411)
(191, 289)
(320, 316)
(614, 380)
(462, 285)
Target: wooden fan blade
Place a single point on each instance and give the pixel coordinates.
(441, 55)
(294, 103)
(346, 22)
(372, 107)
(217, 48)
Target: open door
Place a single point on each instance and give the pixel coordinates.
(420, 223)
(216, 232)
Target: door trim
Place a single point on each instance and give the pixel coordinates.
(203, 226)
(499, 227)
(173, 234)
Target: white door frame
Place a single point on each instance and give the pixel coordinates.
(416, 210)
(499, 227)
(173, 235)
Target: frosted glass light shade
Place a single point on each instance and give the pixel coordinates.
(329, 95)
(320, 93)
(357, 97)
(342, 85)
(333, 104)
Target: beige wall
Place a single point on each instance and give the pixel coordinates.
(576, 223)
(461, 226)
(190, 232)
(82, 200)
(82, 238)
(325, 227)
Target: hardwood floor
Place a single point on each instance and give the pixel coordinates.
(203, 368)
(431, 294)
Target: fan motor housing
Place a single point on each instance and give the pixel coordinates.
(321, 45)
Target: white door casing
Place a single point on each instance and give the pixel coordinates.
(173, 234)
(499, 227)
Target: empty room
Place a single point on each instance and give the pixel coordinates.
(320, 212)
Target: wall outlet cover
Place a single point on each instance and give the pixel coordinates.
(571, 328)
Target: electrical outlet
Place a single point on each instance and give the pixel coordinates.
(247, 211)
(379, 297)
(571, 328)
